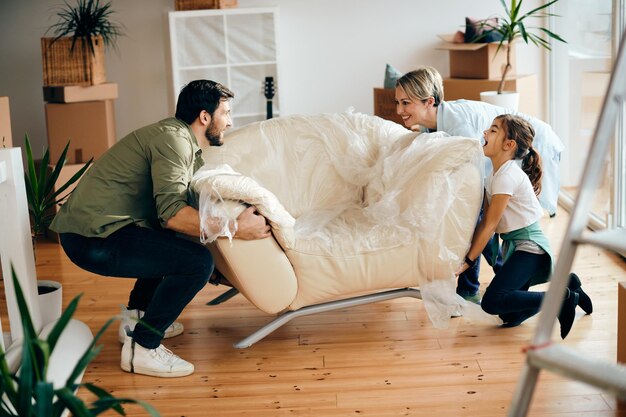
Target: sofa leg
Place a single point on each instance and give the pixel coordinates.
(321, 308)
(223, 297)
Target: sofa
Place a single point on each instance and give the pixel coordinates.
(361, 210)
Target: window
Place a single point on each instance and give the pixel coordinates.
(579, 76)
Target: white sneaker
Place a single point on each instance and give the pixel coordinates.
(129, 321)
(159, 362)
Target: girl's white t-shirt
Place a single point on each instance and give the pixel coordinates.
(523, 208)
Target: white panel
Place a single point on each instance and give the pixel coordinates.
(200, 41)
(16, 247)
(247, 82)
(219, 74)
(235, 47)
(251, 38)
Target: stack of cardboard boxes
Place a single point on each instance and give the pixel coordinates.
(84, 116)
(476, 67)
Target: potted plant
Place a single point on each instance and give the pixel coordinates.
(513, 26)
(30, 392)
(43, 194)
(75, 55)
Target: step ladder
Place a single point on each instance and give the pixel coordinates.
(543, 354)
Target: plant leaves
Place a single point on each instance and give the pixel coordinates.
(73, 403)
(103, 394)
(44, 395)
(29, 394)
(552, 34)
(32, 174)
(51, 199)
(61, 324)
(104, 404)
(536, 9)
(84, 21)
(91, 352)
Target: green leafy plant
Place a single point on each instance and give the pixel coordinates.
(513, 25)
(84, 21)
(40, 192)
(27, 393)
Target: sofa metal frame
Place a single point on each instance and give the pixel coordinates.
(314, 309)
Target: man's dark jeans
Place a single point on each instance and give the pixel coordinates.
(169, 271)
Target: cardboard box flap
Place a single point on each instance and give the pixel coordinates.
(452, 46)
(78, 93)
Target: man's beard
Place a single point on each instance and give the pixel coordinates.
(214, 138)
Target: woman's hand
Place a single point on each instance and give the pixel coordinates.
(251, 225)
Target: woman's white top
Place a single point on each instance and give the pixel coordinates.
(470, 118)
(523, 208)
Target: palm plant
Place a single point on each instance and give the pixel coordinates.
(86, 20)
(40, 192)
(513, 25)
(27, 393)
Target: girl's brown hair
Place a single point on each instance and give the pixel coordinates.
(519, 130)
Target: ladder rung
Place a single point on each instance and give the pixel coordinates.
(614, 239)
(569, 363)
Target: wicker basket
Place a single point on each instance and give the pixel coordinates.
(62, 66)
(205, 4)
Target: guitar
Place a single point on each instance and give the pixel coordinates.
(269, 90)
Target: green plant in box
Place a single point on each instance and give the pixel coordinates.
(513, 25)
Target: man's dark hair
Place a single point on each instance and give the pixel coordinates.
(200, 95)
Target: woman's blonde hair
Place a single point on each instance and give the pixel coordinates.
(422, 83)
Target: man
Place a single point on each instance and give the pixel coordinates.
(123, 217)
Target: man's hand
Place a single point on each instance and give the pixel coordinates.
(251, 225)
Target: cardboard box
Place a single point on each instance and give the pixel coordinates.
(6, 138)
(385, 104)
(204, 4)
(67, 172)
(477, 60)
(78, 93)
(88, 125)
(469, 89)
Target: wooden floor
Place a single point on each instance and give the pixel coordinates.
(379, 360)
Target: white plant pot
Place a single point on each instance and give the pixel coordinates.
(50, 302)
(508, 99)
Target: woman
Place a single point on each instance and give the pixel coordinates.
(511, 208)
(420, 103)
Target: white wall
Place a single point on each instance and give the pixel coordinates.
(332, 53)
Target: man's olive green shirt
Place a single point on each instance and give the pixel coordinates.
(143, 179)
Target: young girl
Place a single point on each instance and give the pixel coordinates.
(512, 209)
